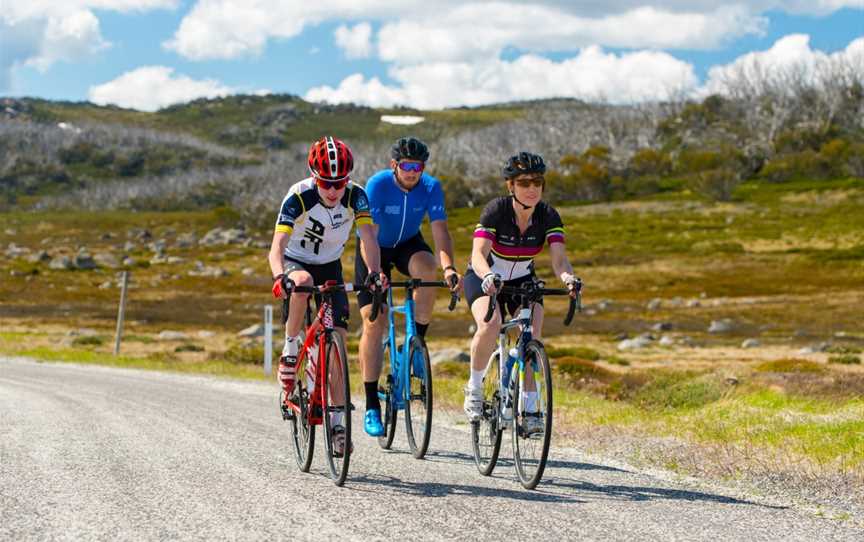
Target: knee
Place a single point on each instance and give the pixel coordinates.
(422, 265)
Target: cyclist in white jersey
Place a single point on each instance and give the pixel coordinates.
(315, 219)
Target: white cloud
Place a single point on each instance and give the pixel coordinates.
(153, 87)
(39, 33)
(356, 41)
(592, 75)
(789, 56)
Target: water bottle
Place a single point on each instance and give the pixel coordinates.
(512, 354)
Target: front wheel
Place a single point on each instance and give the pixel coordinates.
(418, 407)
(302, 433)
(486, 432)
(532, 415)
(337, 413)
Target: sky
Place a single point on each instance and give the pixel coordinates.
(148, 54)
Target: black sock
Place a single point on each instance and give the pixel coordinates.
(421, 329)
(372, 401)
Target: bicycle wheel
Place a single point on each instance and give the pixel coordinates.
(418, 407)
(388, 408)
(486, 432)
(338, 374)
(532, 423)
(302, 434)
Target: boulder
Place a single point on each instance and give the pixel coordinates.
(449, 354)
(721, 326)
(751, 343)
(641, 341)
(654, 304)
(83, 260)
(39, 257)
(106, 259)
(168, 335)
(256, 330)
(62, 263)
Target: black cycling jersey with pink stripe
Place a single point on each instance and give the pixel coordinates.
(513, 252)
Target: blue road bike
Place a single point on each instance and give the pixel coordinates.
(517, 389)
(408, 385)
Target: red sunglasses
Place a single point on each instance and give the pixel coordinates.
(412, 166)
(327, 185)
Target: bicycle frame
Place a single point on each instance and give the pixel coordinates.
(320, 329)
(523, 319)
(398, 360)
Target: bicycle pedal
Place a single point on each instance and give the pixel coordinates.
(287, 413)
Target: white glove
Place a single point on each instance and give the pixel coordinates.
(489, 280)
(570, 280)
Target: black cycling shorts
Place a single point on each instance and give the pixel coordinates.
(398, 256)
(321, 274)
(508, 303)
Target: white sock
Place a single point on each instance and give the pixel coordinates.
(475, 381)
(290, 348)
(529, 399)
(336, 418)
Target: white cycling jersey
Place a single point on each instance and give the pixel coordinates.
(318, 233)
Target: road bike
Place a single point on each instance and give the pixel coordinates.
(325, 393)
(408, 386)
(517, 389)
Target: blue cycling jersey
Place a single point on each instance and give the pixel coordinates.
(399, 213)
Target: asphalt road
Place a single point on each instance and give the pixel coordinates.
(99, 453)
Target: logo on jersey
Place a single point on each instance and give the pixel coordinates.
(314, 234)
(392, 209)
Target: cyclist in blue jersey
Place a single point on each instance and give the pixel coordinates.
(399, 199)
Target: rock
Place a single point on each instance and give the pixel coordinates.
(157, 247)
(175, 260)
(186, 240)
(209, 272)
(604, 305)
(247, 272)
(721, 326)
(39, 257)
(14, 251)
(139, 235)
(106, 259)
(634, 344)
(106, 285)
(751, 343)
(256, 330)
(662, 326)
(62, 263)
(156, 260)
(621, 336)
(688, 341)
(666, 340)
(128, 261)
(168, 335)
(82, 332)
(676, 302)
(83, 260)
(203, 334)
(654, 304)
(10, 231)
(693, 303)
(129, 246)
(448, 354)
(218, 236)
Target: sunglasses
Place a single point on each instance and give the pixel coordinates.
(327, 185)
(536, 181)
(411, 166)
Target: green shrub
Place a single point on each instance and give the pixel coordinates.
(240, 353)
(650, 162)
(790, 365)
(846, 359)
(679, 390)
(88, 340)
(574, 351)
(716, 184)
(803, 165)
(191, 348)
(574, 369)
(617, 360)
(451, 369)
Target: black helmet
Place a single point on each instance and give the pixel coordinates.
(409, 148)
(522, 163)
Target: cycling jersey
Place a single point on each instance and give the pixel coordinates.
(318, 233)
(399, 213)
(512, 254)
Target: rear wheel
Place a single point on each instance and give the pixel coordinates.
(486, 432)
(418, 408)
(337, 369)
(388, 410)
(532, 415)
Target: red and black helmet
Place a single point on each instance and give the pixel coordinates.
(330, 159)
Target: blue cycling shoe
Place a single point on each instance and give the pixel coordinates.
(372, 423)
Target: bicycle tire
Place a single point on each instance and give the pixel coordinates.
(337, 365)
(302, 433)
(418, 407)
(388, 408)
(529, 463)
(486, 433)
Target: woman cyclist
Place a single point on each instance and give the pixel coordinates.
(511, 232)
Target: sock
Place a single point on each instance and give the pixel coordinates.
(290, 348)
(529, 399)
(421, 329)
(336, 418)
(476, 380)
(372, 401)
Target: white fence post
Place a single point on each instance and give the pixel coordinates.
(121, 312)
(268, 339)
